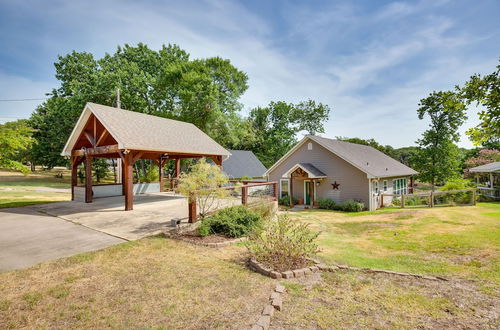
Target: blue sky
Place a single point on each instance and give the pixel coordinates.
(371, 61)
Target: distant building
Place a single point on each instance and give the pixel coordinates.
(243, 164)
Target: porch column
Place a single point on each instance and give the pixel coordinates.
(88, 179)
(411, 185)
(122, 175)
(160, 173)
(74, 176)
(177, 172)
(313, 191)
(291, 191)
(128, 182)
(491, 180)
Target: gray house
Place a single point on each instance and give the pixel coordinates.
(243, 164)
(318, 167)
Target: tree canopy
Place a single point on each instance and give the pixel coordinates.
(438, 158)
(15, 139)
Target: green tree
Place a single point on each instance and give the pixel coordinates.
(277, 125)
(201, 184)
(15, 139)
(387, 149)
(164, 83)
(438, 157)
(484, 91)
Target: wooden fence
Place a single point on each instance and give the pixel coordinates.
(430, 196)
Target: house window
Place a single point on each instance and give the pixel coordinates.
(309, 146)
(284, 187)
(385, 185)
(375, 186)
(399, 186)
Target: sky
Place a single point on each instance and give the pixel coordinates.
(370, 61)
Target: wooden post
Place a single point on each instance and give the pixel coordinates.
(74, 176)
(474, 197)
(88, 179)
(244, 195)
(122, 174)
(177, 173)
(275, 187)
(193, 217)
(313, 186)
(432, 199)
(128, 183)
(402, 201)
(290, 194)
(381, 201)
(160, 174)
(411, 185)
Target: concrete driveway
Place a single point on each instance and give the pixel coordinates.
(28, 237)
(151, 214)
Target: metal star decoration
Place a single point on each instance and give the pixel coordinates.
(335, 185)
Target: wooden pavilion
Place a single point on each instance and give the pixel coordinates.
(107, 132)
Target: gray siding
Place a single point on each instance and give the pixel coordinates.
(354, 183)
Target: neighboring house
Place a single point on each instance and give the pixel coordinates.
(243, 164)
(491, 186)
(318, 167)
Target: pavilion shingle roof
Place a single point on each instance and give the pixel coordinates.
(138, 131)
(486, 168)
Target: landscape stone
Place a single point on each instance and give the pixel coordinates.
(307, 271)
(287, 274)
(268, 310)
(274, 295)
(264, 321)
(280, 288)
(298, 273)
(314, 269)
(257, 327)
(275, 274)
(277, 303)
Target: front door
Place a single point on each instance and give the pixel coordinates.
(307, 192)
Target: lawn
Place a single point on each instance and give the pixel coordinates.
(35, 188)
(151, 283)
(459, 242)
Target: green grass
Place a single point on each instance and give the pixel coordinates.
(459, 242)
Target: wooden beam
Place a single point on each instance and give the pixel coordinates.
(160, 162)
(88, 179)
(90, 138)
(217, 160)
(137, 156)
(74, 175)
(128, 182)
(177, 168)
(96, 151)
(290, 191)
(103, 136)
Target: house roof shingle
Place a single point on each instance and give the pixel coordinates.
(373, 162)
(139, 131)
(243, 163)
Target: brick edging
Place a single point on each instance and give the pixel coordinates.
(214, 245)
(262, 269)
(275, 303)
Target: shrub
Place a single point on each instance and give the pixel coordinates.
(286, 200)
(353, 206)
(327, 204)
(265, 209)
(235, 221)
(283, 244)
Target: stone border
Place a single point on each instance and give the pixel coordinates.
(275, 302)
(208, 244)
(296, 273)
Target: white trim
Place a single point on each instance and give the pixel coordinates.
(281, 180)
(296, 166)
(385, 185)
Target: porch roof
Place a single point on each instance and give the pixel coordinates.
(312, 171)
(486, 168)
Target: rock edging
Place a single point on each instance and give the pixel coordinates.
(208, 244)
(296, 273)
(275, 303)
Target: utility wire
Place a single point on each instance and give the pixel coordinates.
(46, 98)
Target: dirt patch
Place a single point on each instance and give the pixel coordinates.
(194, 236)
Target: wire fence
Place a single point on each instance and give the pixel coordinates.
(462, 197)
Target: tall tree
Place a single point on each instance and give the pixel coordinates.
(438, 157)
(164, 83)
(484, 91)
(276, 127)
(15, 138)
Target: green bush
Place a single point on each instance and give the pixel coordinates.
(286, 201)
(283, 244)
(235, 221)
(327, 204)
(352, 206)
(349, 206)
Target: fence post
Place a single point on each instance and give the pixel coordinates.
(275, 188)
(244, 195)
(193, 217)
(474, 197)
(402, 201)
(432, 199)
(382, 201)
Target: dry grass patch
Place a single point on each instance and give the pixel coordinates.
(353, 300)
(148, 283)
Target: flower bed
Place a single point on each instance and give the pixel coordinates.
(296, 273)
(211, 240)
